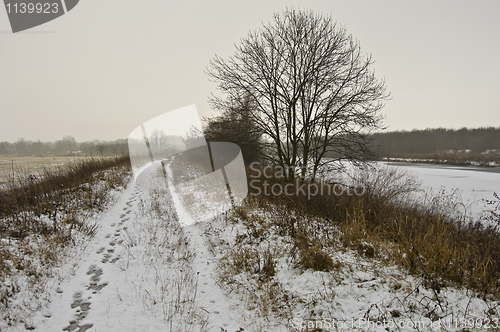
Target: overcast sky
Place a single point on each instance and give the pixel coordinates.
(107, 66)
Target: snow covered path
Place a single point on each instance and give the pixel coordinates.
(79, 305)
(220, 308)
(140, 273)
(144, 272)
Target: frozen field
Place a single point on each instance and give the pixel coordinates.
(473, 184)
(22, 165)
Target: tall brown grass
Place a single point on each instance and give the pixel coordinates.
(430, 241)
(42, 216)
(49, 190)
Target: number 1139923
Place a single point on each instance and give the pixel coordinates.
(32, 8)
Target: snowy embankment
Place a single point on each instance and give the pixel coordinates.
(141, 272)
(144, 272)
(360, 292)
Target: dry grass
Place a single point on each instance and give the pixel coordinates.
(159, 257)
(433, 243)
(45, 193)
(42, 218)
(382, 233)
(248, 263)
(34, 165)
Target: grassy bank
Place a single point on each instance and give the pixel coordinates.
(428, 240)
(43, 217)
(14, 166)
(293, 256)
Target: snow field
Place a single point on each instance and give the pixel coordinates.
(237, 272)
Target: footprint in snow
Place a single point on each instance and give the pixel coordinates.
(83, 307)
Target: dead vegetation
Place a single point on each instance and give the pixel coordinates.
(429, 240)
(257, 243)
(159, 257)
(42, 217)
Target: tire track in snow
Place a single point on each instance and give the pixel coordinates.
(212, 299)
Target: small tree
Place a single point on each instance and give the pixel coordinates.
(101, 148)
(235, 125)
(21, 146)
(158, 141)
(312, 89)
(194, 137)
(66, 145)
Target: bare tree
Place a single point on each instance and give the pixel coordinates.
(194, 137)
(67, 144)
(314, 91)
(157, 141)
(235, 125)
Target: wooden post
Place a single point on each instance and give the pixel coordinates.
(13, 175)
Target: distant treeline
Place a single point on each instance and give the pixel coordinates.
(436, 141)
(67, 145)
(388, 144)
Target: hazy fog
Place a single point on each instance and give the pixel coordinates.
(104, 68)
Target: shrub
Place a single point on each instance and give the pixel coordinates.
(384, 222)
(40, 218)
(315, 258)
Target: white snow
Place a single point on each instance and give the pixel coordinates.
(473, 185)
(143, 272)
